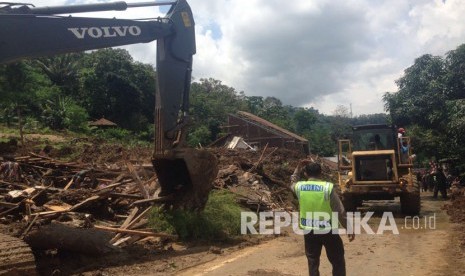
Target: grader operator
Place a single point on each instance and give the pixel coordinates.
(185, 174)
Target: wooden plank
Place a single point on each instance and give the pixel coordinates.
(136, 178)
(127, 181)
(154, 200)
(8, 204)
(131, 221)
(69, 184)
(8, 211)
(82, 203)
(141, 215)
(64, 207)
(126, 223)
(135, 232)
(71, 209)
(48, 212)
(126, 195)
(122, 240)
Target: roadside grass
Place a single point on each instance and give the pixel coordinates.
(219, 221)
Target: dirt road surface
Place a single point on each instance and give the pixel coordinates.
(430, 249)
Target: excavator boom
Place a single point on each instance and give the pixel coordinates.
(28, 32)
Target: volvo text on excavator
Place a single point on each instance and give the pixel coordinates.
(185, 174)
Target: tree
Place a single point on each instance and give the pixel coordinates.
(63, 113)
(320, 140)
(429, 101)
(274, 111)
(455, 73)
(421, 96)
(116, 87)
(255, 104)
(62, 70)
(210, 103)
(366, 119)
(342, 111)
(304, 119)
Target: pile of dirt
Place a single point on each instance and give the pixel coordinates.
(457, 204)
(455, 209)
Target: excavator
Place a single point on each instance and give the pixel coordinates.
(185, 174)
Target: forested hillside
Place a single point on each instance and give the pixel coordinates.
(65, 92)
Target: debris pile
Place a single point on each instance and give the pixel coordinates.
(103, 196)
(457, 205)
(44, 200)
(261, 179)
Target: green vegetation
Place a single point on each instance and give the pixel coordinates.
(220, 220)
(64, 92)
(430, 103)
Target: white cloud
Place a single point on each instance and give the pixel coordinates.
(311, 52)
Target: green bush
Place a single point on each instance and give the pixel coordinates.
(119, 134)
(199, 136)
(219, 221)
(77, 118)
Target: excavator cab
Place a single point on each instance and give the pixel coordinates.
(185, 174)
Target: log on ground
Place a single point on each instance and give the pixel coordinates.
(81, 240)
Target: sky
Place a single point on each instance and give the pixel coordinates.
(310, 53)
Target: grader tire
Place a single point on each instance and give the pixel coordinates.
(16, 257)
(410, 204)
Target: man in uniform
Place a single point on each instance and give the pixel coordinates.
(318, 197)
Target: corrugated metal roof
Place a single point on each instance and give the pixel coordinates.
(268, 124)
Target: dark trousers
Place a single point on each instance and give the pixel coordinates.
(441, 188)
(334, 251)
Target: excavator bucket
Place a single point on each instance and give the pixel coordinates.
(188, 177)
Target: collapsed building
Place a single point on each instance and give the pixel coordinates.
(258, 133)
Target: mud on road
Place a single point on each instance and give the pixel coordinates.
(420, 248)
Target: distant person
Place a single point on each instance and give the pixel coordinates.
(378, 144)
(404, 152)
(400, 132)
(430, 181)
(424, 182)
(318, 196)
(440, 183)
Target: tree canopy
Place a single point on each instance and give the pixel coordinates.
(430, 101)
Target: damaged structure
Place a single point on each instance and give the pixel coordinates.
(258, 132)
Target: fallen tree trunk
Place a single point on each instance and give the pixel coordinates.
(59, 236)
